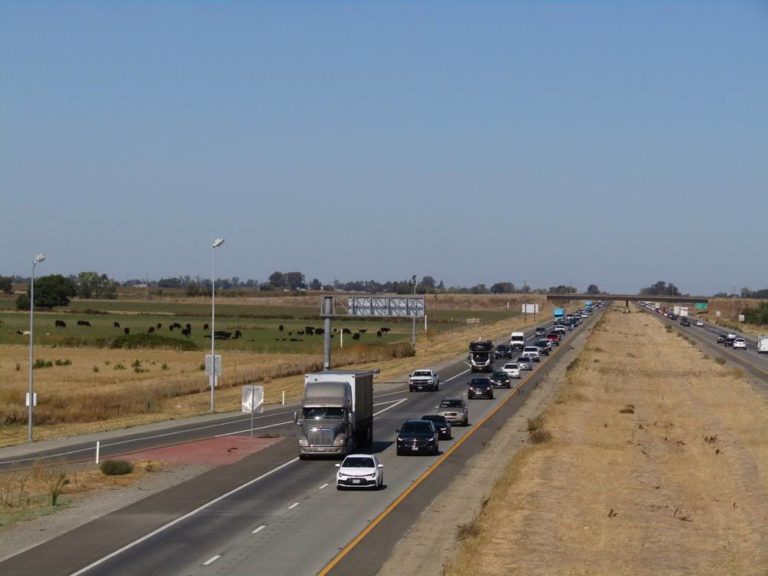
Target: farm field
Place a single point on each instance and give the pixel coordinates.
(93, 378)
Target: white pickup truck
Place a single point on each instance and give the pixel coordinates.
(424, 380)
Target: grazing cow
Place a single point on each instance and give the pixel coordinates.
(127, 330)
(346, 331)
(320, 331)
(159, 325)
(300, 332)
(281, 328)
(116, 324)
(83, 323)
(238, 334)
(222, 335)
(188, 326)
(151, 330)
(385, 329)
(19, 333)
(309, 330)
(186, 332)
(206, 327)
(363, 330)
(60, 324)
(378, 334)
(355, 336)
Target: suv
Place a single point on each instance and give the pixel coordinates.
(443, 428)
(545, 346)
(684, 321)
(532, 352)
(503, 351)
(480, 387)
(501, 379)
(455, 411)
(554, 337)
(417, 436)
(541, 331)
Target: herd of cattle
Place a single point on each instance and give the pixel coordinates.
(186, 330)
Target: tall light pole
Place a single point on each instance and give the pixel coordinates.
(31, 394)
(413, 333)
(213, 376)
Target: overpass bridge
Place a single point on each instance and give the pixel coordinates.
(627, 298)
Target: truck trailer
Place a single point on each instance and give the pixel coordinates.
(336, 416)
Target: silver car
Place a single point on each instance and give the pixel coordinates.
(454, 410)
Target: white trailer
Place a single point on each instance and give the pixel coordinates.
(762, 344)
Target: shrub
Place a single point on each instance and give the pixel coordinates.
(540, 436)
(95, 368)
(55, 485)
(115, 467)
(720, 360)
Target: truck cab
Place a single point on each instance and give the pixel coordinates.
(481, 356)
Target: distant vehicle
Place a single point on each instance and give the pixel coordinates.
(554, 337)
(512, 369)
(562, 330)
(729, 340)
(481, 356)
(442, 425)
(336, 415)
(532, 352)
(480, 387)
(417, 436)
(684, 321)
(544, 345)
(541, 331)
(424, 380)
(699, 323)
(517, 340)
(721, 338)
(503, 351)
(524, 363)
(762, 344)
(360, 471)
(739, 343)
(455, 411)
(501, 379)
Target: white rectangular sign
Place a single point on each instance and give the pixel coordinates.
(34, 399)
(253, 399)
(208, 364)
(530, 308)
(741, 317)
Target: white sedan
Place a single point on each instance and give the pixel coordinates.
(740, 343)
(699, 323)
(360, 471)
(512, 369)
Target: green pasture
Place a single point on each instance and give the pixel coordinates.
(259, 325)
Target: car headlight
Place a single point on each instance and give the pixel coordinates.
(340, 440)
(399, 439)
(303, 440)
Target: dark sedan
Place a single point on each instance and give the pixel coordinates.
(482, 387)
(503, 351)
(443, 428)
(417, 436)
(545, 346)
(501, 379)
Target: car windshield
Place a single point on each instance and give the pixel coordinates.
(358, 462)
(501, 375)
(422, 373)
(480, 356)
(323, 413)
(511, 366)
(479, 382)
(450, 404)
(421, 427)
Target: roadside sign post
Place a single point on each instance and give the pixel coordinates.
(253, 401)
(213, 370)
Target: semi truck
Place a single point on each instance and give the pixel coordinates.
(762, 344)
(481, 356)
(336, 415)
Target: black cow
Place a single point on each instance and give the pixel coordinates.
(385, 329)
(186, 332)
(151, 330)
(346, 331)
(281, 328)
(222, 335)
(378, 334)
(320, 331)
(116, 324)
(127, 330)
(238, 334)
(355, 336)
(83, 323)
(206, 327)
(159, 325)
(310, 331)
(60, 324)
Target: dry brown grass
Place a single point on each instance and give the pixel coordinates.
(106, 389)
(676, 486)
(43, 490)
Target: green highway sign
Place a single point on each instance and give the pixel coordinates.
(701, 305)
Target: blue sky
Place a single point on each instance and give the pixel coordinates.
(618, 143)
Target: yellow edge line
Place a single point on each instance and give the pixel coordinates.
(424, 475)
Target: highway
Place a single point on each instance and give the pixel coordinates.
(269, 513)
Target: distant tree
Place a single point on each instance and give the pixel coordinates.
(315, 284)
(170, 283)
(503, 288)
(525, 289)
(593, 289)
(479, 289)
(660, 289)
(294, 281)
(94, 285)
(428, 283)
(562, 289)
(6, 284)
(277, 279)
(441, 286)
(50, 291)
(758, 315)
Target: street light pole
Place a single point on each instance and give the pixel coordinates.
(31, 394)
(413, 332)
(213, 376)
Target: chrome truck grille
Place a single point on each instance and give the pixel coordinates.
(320, 437)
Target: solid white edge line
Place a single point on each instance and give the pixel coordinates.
(292, 506)
(211, 560)
(259, 529)
(324, 486)
(181, 518)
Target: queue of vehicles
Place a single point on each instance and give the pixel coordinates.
(336, 414)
